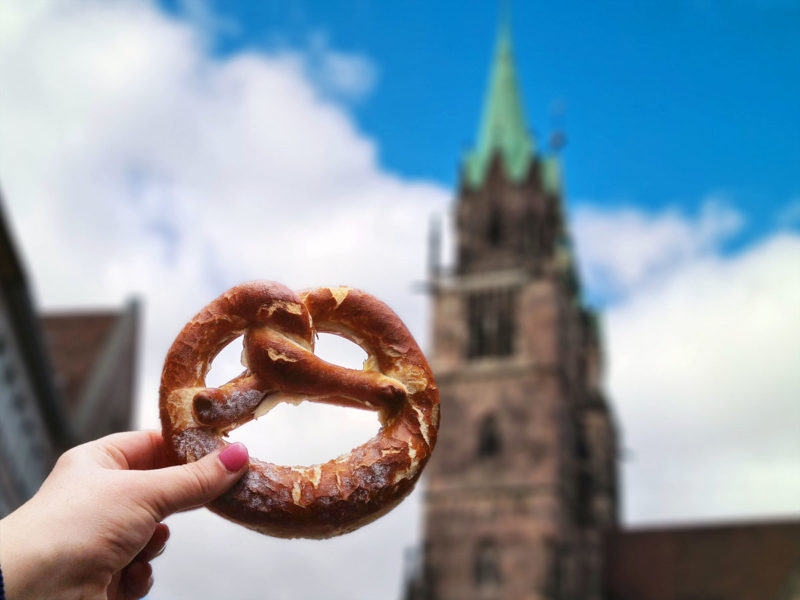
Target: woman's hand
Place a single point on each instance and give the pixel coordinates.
(95, 524)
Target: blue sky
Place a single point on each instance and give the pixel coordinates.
(666, 103)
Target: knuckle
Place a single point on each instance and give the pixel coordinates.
(68, 458)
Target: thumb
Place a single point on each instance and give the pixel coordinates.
(197, 483)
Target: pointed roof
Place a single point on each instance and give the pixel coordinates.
(76, 342)
(503, 126)
(94, 356)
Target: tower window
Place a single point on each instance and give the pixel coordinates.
(495, 233)
(489, 443)
(490, 316)
(487, 565)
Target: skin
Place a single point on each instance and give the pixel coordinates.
(93, 527)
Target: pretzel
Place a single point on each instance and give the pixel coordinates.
(279, 329)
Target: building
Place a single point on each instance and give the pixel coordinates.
(522, 494)
(64, 379)
(741, 561)
(522, 486)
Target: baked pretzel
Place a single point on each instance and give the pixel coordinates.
(279, 329)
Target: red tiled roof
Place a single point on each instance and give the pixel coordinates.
(749, 561)
(75, 341)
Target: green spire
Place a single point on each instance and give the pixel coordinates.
(503, 127)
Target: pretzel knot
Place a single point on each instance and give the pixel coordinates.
(279, 329)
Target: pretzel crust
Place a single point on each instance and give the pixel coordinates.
(279, 329)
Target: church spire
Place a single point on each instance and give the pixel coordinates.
(503, 127)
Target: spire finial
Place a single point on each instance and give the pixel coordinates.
(504, 26)
(504, 20)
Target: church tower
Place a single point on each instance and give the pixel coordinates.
(522, 485)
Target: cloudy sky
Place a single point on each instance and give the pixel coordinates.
(172, 150)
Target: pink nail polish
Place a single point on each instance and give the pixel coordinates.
(234, 457)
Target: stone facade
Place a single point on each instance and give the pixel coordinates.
(522, 486)
(28, 443)
(523, 482)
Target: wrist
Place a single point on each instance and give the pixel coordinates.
(16, 559)
(2, 585)
(35, 566)
(29, 567)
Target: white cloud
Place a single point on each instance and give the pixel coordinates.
(349, 76)
(132, 162)
(702, 353)
(626, 248)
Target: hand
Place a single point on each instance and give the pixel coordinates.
(94, 525)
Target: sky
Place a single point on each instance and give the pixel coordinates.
(172, 150)
(661, 101)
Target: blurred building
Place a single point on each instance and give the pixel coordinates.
(522, 486)
(743, 561)
(522, 494)
(64, 379)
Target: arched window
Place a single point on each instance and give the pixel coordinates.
(489, 442)
(487, 565)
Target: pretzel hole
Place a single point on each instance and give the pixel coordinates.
(306, 434)
(339, 350)
(227, 364)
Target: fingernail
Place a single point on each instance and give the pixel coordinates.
(234, 457)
